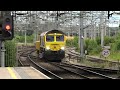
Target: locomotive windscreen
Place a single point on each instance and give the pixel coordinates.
(49, 38)
(60, 38)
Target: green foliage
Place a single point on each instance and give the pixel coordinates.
(69, 43)
(92, 46)
(30, 39)
(86, 43)
(73, 42)
(98, 40)
(10, 54)
(117, 44)
(108, 40)
(118, 36)
(113, 47)
(21, 39)
(96, 50)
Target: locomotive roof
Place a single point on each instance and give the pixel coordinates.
(51, 31)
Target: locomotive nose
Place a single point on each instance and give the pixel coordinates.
(55, 47)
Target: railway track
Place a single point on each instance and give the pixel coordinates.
(107, 72)
(22, 55)
(42, 69)
(61, 70)
(89, 74)
(95, 69)
(70, 72)
(25, 60)
(72, 55)
(57, 71)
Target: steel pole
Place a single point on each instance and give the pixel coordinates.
(101, 28)
(81, 35)
(25, 36)
(2, 54)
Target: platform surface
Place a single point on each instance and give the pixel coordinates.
(21, 73)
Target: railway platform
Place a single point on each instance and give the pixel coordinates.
(21, 73)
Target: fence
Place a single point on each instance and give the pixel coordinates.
(10, 53)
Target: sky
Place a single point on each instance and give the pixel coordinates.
(114, 21)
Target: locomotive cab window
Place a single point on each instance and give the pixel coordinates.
(49, 38)
(60, 38)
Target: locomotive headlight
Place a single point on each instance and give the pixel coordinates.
(62, 48)
(47, 47)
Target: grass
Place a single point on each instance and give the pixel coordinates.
(95, 64)
(114, 56)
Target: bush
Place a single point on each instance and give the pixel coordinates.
(92, 46)
(98, 40)
(108, 40)
(113, 47)
(10, 54)
(96, 50)
(75, 42)
(86, 43)
(21, 39)
(69, 43)
(117, 44)
(112, 39)
(117, 36)
(30, 39)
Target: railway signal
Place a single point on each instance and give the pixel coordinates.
(7, 28)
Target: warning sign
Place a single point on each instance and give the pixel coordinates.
(105, 52)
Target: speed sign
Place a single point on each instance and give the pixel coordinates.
(105, 52)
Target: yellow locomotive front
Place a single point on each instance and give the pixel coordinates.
(54, 45)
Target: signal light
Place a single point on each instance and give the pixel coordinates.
(7, 27)
(7, 20)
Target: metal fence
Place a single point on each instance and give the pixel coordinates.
(10, 53)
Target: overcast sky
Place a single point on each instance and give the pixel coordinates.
(114, 21)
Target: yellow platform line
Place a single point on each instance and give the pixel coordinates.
(11, 73)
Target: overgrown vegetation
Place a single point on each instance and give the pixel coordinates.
(21, 39)
(10, 47)
(10, 54)
(93, 47)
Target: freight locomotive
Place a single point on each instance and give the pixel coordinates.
(51, 45)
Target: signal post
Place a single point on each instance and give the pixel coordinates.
(6, 32)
